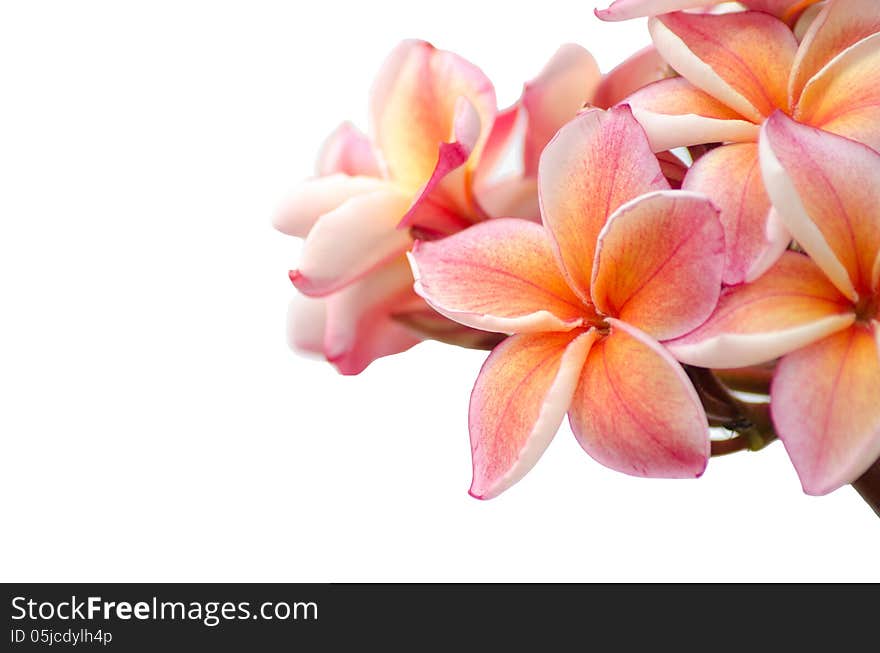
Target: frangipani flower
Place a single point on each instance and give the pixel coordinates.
(737, 69)
(352, 326)
(431, 115)
(619, 263)
(786, 10)
(821, 314)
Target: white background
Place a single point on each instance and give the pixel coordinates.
(155, 425)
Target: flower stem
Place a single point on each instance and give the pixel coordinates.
(753, 434)
(755, 379)
(868, 486)
(751, 421)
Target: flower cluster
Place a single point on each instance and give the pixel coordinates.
(633, 247)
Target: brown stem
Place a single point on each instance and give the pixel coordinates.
(731, 445)
(868, 486)
(753, 425)
(428, 324)
(717, 401)
(696, 151)
(751, 421)
(755, 379)
(758, 414)
(755, 433)
(750, 439)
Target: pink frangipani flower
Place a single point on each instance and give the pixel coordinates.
(431, 115)
(352, 326)
(619, 263)
(820, 313)
(737, 69)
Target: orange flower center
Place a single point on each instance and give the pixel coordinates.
(595, 319)
(868, 308)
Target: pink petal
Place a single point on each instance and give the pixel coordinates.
(315, 197)
(499, 275)
(497, 145)
(875, 275)
(350, 241)
(384, 338)
(513, 197)
(359, 326)
(825, 408)
(596, 163)
(518, 403)
(639, 70)
(553, 98)
(674, 169)
(430, 218)
(348, 151)
(414, 104)
(731, 176)
(844, 97)
(836, 27)
(741, 59)
(659, 262)
(789, 307)
(448, 184)
(826, 190)
(787, 10)
(801, 27)
(675, 113)
(306, 321)
(635, 410)
(627, 9)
